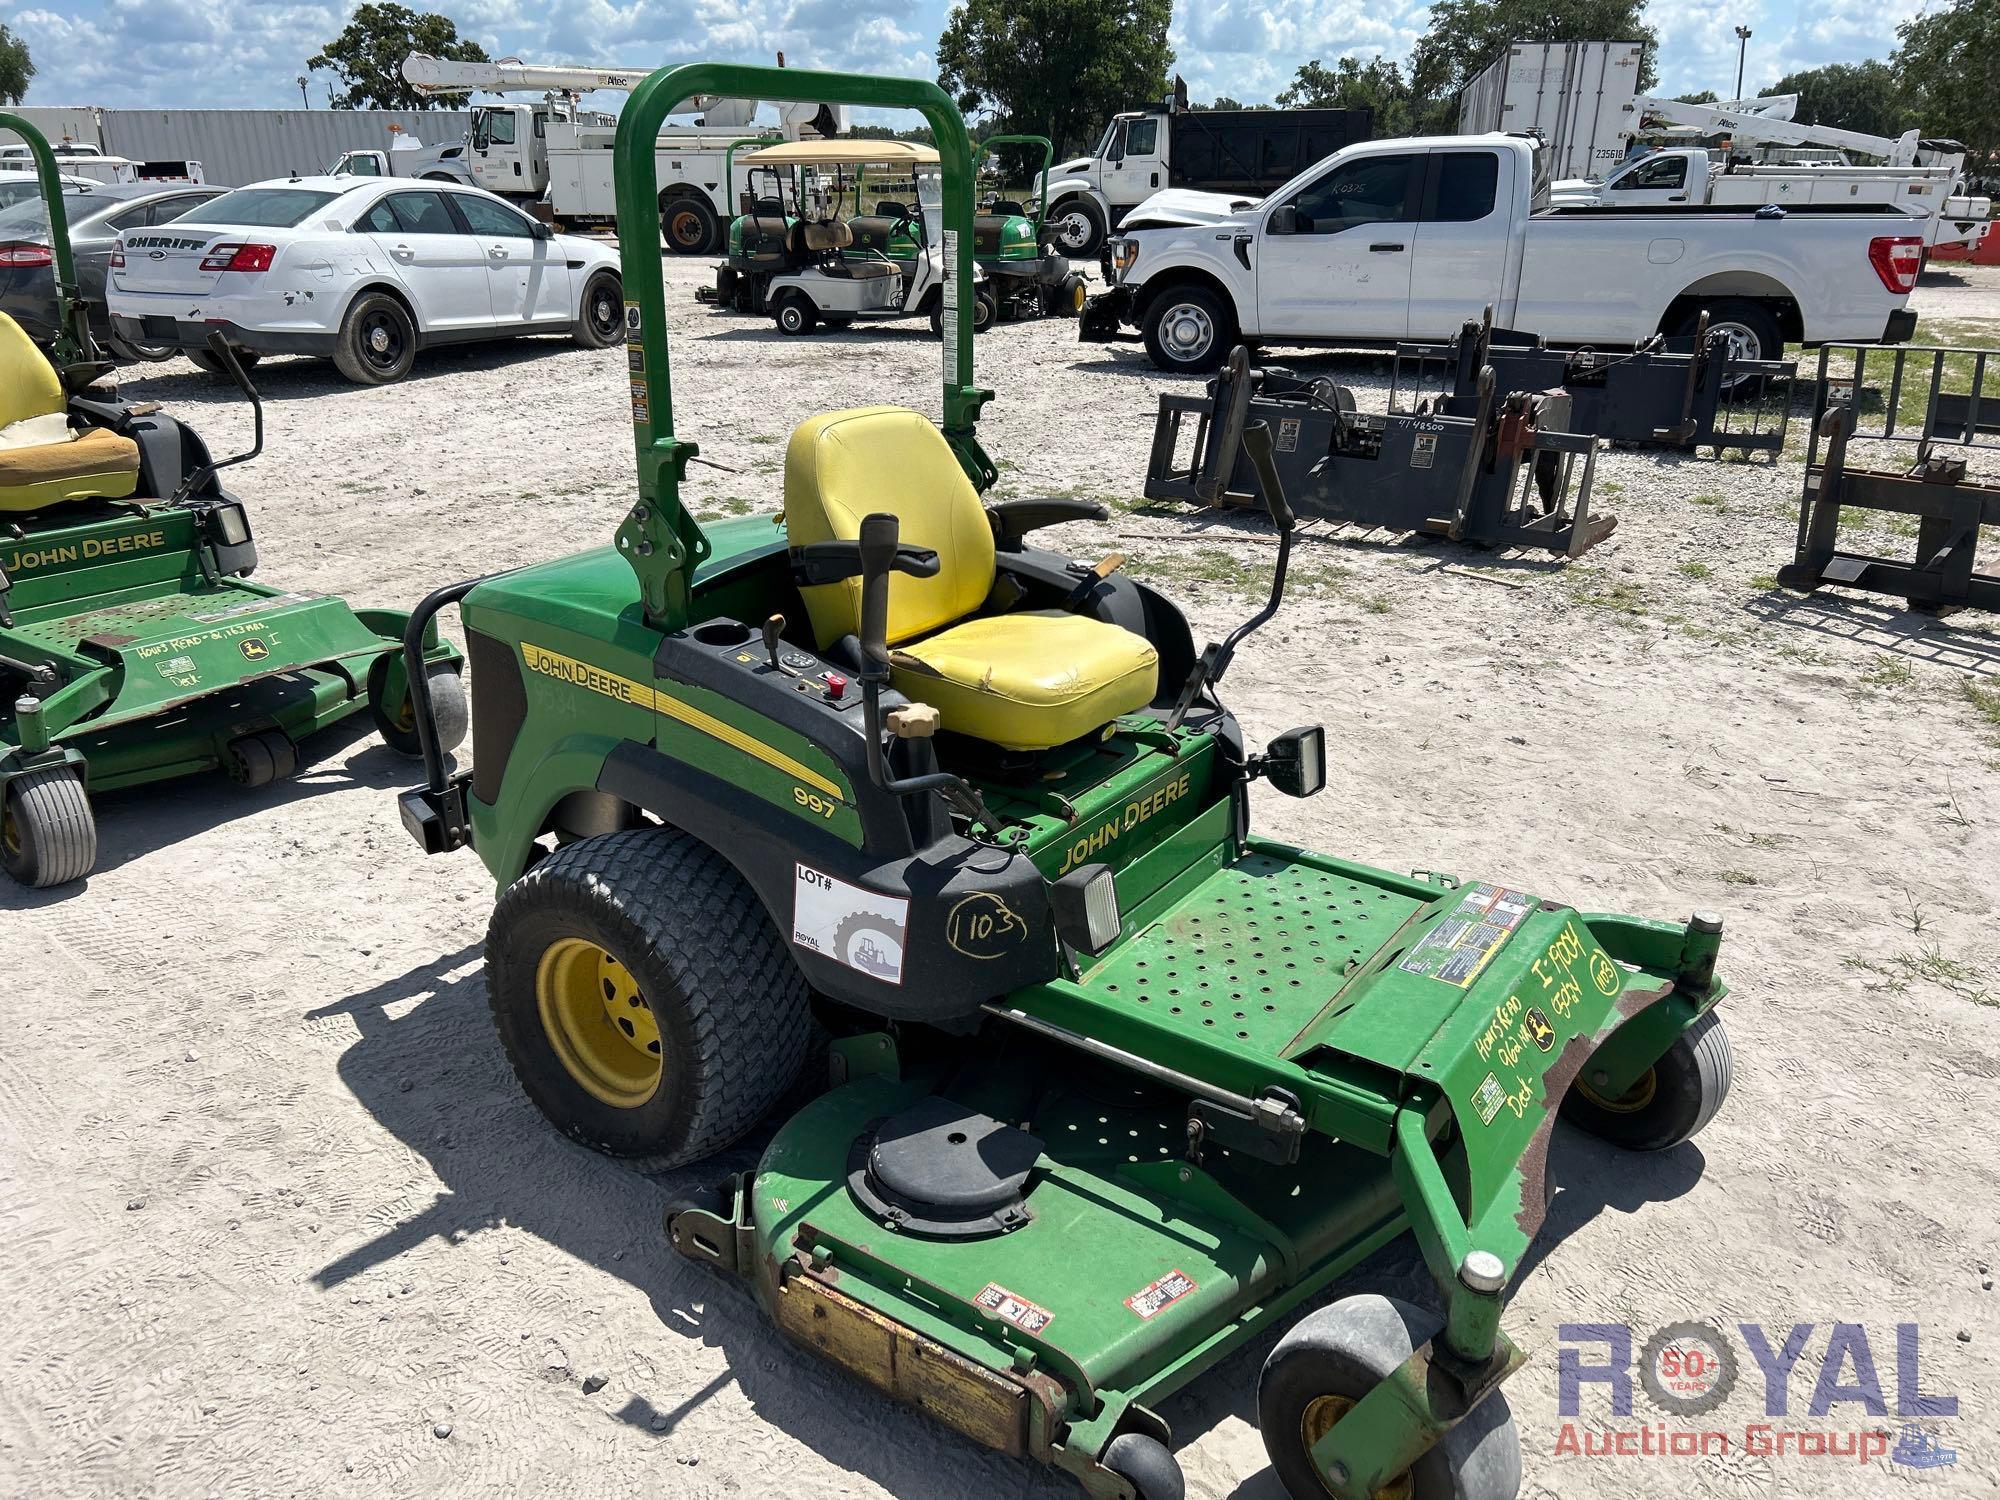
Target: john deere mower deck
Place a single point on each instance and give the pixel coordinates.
(133, 646)
(1115, 1084)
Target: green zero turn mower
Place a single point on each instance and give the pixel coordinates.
(1115, 1085)
(133, 646)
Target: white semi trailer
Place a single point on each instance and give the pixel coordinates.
(555, 159)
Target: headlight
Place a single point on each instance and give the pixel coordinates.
(1123, 254)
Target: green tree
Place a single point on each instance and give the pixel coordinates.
(368, 55)
(1377, 84)
(1058, 68)
(1950, 62)
(1851, 96)
(16, 67)
(1466, 35)
(1701, 96)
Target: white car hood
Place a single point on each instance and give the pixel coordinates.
(1181, 208)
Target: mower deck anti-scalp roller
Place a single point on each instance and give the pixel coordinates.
(133, 645)
(1115, 1084)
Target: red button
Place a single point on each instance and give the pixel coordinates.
(836, 685)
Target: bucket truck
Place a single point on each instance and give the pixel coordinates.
(554, 159)
(1923, 177)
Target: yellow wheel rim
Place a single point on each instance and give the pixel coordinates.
(1631, 1101)
(1317, 1421)
(599, 1024)
(1076, 299)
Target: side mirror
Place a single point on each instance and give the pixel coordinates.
(1284, 219)
(540, 230)
(1295, 762)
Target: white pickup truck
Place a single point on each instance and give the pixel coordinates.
(1408, 239)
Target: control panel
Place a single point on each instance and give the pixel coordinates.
(764, 654)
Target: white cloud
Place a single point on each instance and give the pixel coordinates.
(169, 53)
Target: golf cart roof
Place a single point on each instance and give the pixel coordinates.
(842, 153)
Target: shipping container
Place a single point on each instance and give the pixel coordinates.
(1577, 96)
(236, 146)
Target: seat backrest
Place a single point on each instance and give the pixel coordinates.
(28, 383)
(873, 460)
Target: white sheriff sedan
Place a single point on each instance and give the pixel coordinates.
(366, 271)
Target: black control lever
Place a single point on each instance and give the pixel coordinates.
(774, 628)
(879, 554)
(224, 351)
(1215, 660)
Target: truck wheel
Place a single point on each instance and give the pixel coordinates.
(688, 225)
(48, 835)
(396, 717)
(1672, 1100)
(377, 342)
(1077, 228)
(1749, 327)
(795, 314)
(1188, 330)
(643, 997)
(204, 360)
(1325, 1365)
(600, 321)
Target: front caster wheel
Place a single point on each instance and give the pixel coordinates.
(1322, 1369)
(396, 717)
(1672, 1100)
(643, 996)
(1146, 1464)
(48, 835)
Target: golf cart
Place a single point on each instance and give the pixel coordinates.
(133, 646)
(1114, 1084)
(865, 203)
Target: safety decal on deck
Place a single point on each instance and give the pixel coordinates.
(1457, 948)
(1008, 1308)
(1162, 1294)
(861, 928)
(1488, 1098)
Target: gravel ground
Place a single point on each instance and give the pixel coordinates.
(277, 1221)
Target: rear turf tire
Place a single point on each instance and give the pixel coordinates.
(377, 342)
(48, 835)
(600, 319)
(1333, 1358)
(703, 1021)
(1674, 1099)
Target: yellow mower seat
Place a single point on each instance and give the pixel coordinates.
(1026, 681)
(43, 462)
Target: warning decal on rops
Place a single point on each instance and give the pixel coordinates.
(1457, 948)
(850, 925)
(1008, 1308)
(1163, 1293)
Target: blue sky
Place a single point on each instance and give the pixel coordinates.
(241, 53)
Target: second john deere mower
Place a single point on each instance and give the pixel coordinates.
(133, 645)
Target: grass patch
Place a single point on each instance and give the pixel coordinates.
(1737, 877)
(1694, 570)
(1985, 703)
(1931, 965)
(1888, 673)
(1624, 598)
(1378, 604)
(1710, 501)
(1248, 576)
(1766, 582)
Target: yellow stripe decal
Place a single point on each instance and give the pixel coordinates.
(624, 690)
